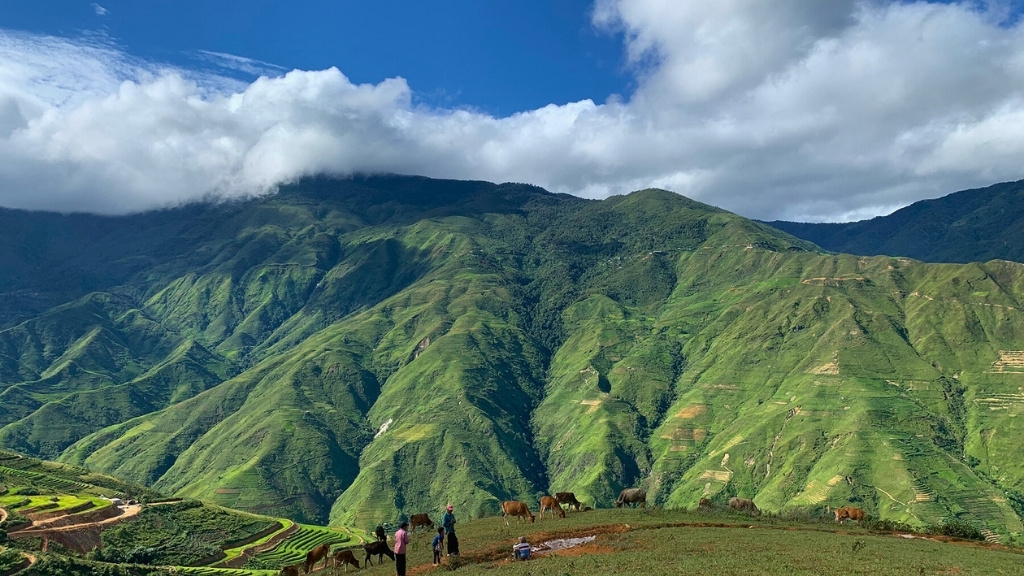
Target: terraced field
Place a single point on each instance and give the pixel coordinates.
(294, 549)
(1009, 361)
(223, 571)
(18, 472)
(40, 481)
(48, 504)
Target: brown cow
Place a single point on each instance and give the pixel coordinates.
(515, 508)
(632, 496)
(704, 504)
(381, 549)
(317, 554)
(570, 499)
(290, 570)
(345, 557)
(549, 503)
(420, 520)
(744, 504)
(855, 514)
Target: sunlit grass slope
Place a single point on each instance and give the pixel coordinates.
(352, 350)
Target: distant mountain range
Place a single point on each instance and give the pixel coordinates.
(968, 226)
(349, 349)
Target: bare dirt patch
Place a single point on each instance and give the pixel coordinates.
(562, 544)
(1011, 361)
(585, 550)
(692, 411)
(829, 368)
(831, 281)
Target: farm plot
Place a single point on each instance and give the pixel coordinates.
(40, 481)
(224, 571)
(294, 549)
(50, 504)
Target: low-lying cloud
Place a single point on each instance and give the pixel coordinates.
(842, 111)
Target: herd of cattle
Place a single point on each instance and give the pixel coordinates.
(630, 497)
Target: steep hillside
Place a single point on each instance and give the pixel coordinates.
(968, 226)
(381, 345)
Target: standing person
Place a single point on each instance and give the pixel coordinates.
(437, 545)
(448, 523)
(401, 542)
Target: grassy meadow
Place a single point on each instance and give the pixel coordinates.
(713, 544)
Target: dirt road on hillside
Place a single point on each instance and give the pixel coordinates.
(44, 527)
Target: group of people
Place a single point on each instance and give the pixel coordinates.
(445, 532)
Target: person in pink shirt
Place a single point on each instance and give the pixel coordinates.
(401, 543)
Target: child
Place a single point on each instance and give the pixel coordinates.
(438, 545)
(521, 551)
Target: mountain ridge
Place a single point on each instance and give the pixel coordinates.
(974, 225)
(375, 361)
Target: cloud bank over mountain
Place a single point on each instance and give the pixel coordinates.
(833, 112)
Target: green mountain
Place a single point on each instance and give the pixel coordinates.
(346, 350)
(968, 226)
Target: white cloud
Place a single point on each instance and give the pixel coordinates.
(773, 110)
(231, 63)
(100, 10)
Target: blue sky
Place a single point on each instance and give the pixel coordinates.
(815, 111)
(501, 57)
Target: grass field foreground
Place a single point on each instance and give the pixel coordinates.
(712, 544)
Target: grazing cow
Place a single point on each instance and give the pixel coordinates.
(420, 520)
(345, 557)
(290, 570)
(632, 496)
(744, 504)
(704, 504)
(570, 499)
(381, 549)
(855, 514)
(317, 554)
(517, 509)
(549, 503)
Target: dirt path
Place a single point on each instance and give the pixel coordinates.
(41, 527)
(126, 513)
(3, 515)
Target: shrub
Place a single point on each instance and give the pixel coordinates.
(956, 528)
(887, 525)
(807, 515)
(14, 519)
(9, 559)
(52, 565)
(26, 544)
